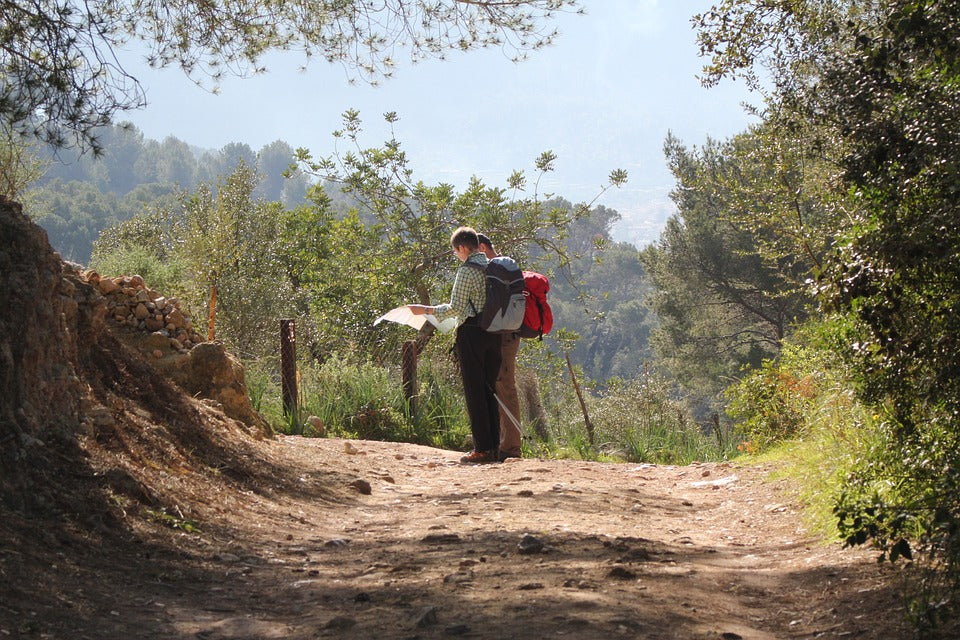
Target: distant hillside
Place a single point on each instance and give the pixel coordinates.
(81, 195)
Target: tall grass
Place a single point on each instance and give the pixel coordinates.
(356, 399)
(636, 420)
(801, 413)
(837, 433)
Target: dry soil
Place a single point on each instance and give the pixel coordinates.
(358, 539)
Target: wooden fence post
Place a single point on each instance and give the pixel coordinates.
(409, 374)
(716, 430)
(288, 366)
(583, 404)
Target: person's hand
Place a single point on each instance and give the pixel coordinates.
(418, 309)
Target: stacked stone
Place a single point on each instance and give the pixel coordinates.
(130, 302)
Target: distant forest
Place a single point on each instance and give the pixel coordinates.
(81, 194)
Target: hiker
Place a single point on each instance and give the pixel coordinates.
(506, 380)
(478, 350)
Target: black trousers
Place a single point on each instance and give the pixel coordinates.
(479, 355)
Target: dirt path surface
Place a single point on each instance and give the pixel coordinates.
(524, 549)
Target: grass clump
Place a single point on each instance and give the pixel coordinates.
(636, 420)
(359, 399)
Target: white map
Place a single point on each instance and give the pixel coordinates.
(403, 315)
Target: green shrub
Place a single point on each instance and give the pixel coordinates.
(904, 498)
(635, 421)
(782, 399)
(770, 404)
(803, 410)
(166, 277)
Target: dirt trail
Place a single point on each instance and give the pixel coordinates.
(438, 550)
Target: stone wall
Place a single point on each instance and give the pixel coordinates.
(131, 303)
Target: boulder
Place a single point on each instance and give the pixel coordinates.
(209, 371)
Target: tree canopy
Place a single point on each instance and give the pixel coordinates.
(414, 219)
(874, 85)
(62, 60)
(730, 265)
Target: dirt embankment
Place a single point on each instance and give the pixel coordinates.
(132, 507)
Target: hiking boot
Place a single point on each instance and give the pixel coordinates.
(479, 457)
(508, 454)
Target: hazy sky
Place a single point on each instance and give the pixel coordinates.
(602, 97)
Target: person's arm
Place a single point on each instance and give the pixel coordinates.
(463, 285)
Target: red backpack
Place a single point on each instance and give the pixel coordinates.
(538, 317)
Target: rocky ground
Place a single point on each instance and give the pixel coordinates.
(357, 539)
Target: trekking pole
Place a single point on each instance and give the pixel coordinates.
(516, 423)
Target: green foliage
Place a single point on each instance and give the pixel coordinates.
(837, 431)
(80, 196)
(599, 295)
(903, 497)
(338, 266)
(165, 276)
(780, 400)
(874, 86)
(155, 230)
(770, 405)
(63, 73)
(784, 37)
(232, 242)
(399, 237)
(360, 399)
(74, 213)
(639, 420)
(897, 272)
(636, 420)
(356, 400)
(726, 278)
(224, 238)
(20, 164)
